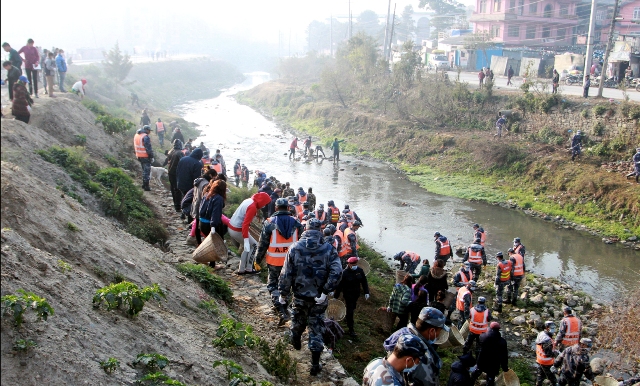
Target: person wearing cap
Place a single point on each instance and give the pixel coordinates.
(409, 261)
(288, 190)
(189, 168)
(278, 233)
(298, 208)
(160, 130)
(464, 300)
(177, 134)
(518, 247)
(321, 214)
(463, 276)
(503, 278)
(237, 171)
(292, 148)
(144, 119)
(350, 244)
(396, 369)
(574, 363)
(459, 375)
(78, 88)
(311, 199)
(144, 153)
(301, 196)
(305, 209)
(545, 354)
(479, 233)
(479, 318)
(353, 278)
(245, 176)
(636, 166)
(171, 162)
(570, 329)
(13, 74)
(576, 144)
(432, 330)
(348, 211)
(311, 271)
(493, 355)
(477, 258)
(239, 228)
(517, 274)
(437, 279)
(271, 208)
(443, 247)
(334, 213)
(22, 102)
(198, 193)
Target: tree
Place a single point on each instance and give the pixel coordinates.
(406, 28)
(368, 23)
(446, 13)
(407, 70)
(116, 65)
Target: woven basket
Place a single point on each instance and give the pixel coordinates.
(450, 297)
(523, 282)
(388, 319)
(602, 380)
(464, 331)
(455, 338)
(212, 248)
(508, 379)
(362, 263)
(255, 230)
(336, 310)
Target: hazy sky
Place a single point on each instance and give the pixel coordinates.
(73, 23)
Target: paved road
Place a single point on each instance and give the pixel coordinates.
(501, 84)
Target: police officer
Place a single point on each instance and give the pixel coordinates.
(479, 318)
(493, 355)
(397, 367)
(518, 247)
(350, 240)
(409, 261)
(464, 301)
(144, 153)
(517, 274)
(288, 191)
(576, 144)
(312, 271)
(575, 363)
(463, 276)
(333, 212)
(545, 354)
(503, 279)
(570, 329)
(278, 233)
(321, 214)
(353, 278)
(443, 247)
(477, 258)
(479, 233)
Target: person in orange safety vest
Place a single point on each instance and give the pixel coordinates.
(545, 354)
(479, 318)
(517, 274)
(333, 212)
(479, 233)
(443, 247)
(503, 278)
(570, 330)
(464, 299)
(477, 258)
(409, 261)
(144, 153)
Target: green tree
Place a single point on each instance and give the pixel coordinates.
(116, 65)
(446, 13)
(407, 70)
(368, 23)
(406, 28)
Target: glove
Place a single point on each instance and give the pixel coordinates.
(553, 369)
(331, 293)
(321, 299)
(366, 296)
(282, 300)
(153, 160)
(247, 245)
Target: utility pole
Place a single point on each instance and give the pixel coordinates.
(386, 31)
(289, 42)
(606, 52)
(393, 24)
(592, 25)
(350, 31)
(331, 36)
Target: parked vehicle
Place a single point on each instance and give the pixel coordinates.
(573, 79)
(439, 62)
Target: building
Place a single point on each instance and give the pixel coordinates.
(629, 25)
(547, 23)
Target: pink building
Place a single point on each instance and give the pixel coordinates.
(629, 25)
(532, 23)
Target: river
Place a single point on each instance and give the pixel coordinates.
(376, 192)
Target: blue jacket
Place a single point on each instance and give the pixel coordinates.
(61, 63)
(189, 168)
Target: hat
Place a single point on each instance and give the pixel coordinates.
(467, 360)
(321, 206)
(499, 254)
(146, 127)
(433, 317)
(494, 325)
(437, 234)
(472, 285)
(357, 223)
(23, 79)
(516, 240)
(314, 224)
(511, 250)
(549, 323)
(346, 206)
(353, 260)
(84, 81)
(567, 309)
(412, 345)
(278, 190)
(482, 300)
(476, 225)
(282, 202)
(586, 341)
(466, 264)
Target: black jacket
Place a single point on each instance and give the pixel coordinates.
(436, 280)
(350, 284)
(172, 161)
(13, 74)
(459, 375)
(178, 135)
(189, 168)
(493, 353)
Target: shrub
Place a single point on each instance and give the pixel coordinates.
(597, 128)
(127, 294)
(277, 361)
(113, 125)
(232, 334)
(617, 329)
(80, 139)
(211, 283)
(151, 361)
(547, 135)
(159, 378)
(230, 366)
(72, 227)
(17, 305)
(24, 345)
(584, 113)
(598, 110)
(110, 365)
(94, 107)
(64, 266)
(209, 306)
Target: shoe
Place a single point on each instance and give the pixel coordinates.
(254, 272)
(296, 342)
(37, 96)
(316, 367)
(241, 273)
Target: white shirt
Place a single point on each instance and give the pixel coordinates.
(77, 86)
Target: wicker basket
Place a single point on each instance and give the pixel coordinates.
(212, 248)
(254, 230)
(388, 319)
(602, 380)
(336, 310)
(362, 263)
(508, 378)
(464, 331)
(450, 297)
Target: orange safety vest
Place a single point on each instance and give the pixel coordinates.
(483, 238)
(340, 234)
(478, 321)
(572, 335)
(279, 247)
(518, 268)
(238, 171)
(464, 278)
(475, 257)
(518, 248)
(299, 211)
(302, 199)
(460, 298)
(138, 145)
(541, 358)
(346, 245)
(505, 270)
(335, 214)
(217, 167)
(324, 215)
(414, 256)
(445, 248)
(160, 127)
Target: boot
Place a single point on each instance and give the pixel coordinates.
(316, 367)
(284, 315)
(498, 308)
(295, 341)
(145, 186)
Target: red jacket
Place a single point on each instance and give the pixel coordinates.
(31, 56)
(247, 210)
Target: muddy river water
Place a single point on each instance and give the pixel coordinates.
(376, 192)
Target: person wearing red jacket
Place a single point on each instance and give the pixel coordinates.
(31, 65)
(239, 228)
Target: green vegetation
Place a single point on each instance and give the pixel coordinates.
(127, 294)
(212, 284)
(523, 370)
(151, 362)
(110, 365)
(232, 334)
(24, 345)
(159, 378)
(236, 374)
(64, 266)
(277, 361)
(209, 306)
(17, 305)
(119, 194)
(230, 366)
(72, 227)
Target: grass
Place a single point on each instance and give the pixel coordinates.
(211, 283)
(523, 370)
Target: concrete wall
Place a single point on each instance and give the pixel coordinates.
(500, 65)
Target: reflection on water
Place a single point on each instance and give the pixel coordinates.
(399, 215)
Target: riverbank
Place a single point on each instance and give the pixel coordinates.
(521, 171)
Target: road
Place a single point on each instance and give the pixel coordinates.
(501, 84)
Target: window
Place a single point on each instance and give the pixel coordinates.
(601, 15)
(531, 32)
(495, 31)
(561, 33)
(497, 5)
(564, 10)
(520, 7)
(533, 7)
(636, 13)
(546, 32)
(513, 31)
(548, 11)
(483, 6)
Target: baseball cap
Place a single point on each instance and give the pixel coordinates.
(586, 341)
(352, 260)
(314, 223)
(411, 345)
(23, 79)
(433, 317)
(494, 325)
(472, 285)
